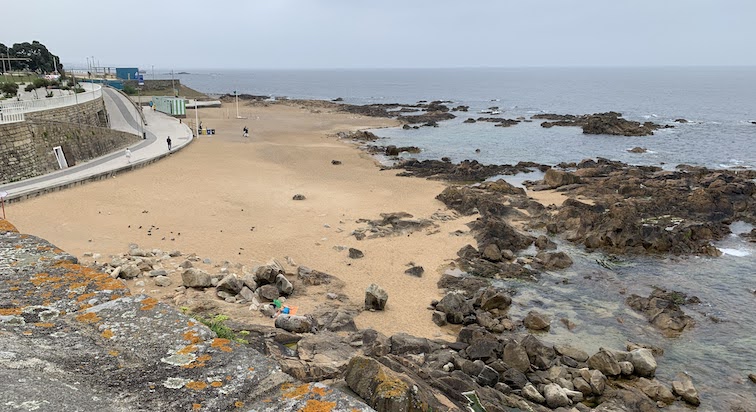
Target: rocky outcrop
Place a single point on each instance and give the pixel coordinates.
(120, 352)
(609, 123)
(662, 309)
(465, 171)
(642, 209)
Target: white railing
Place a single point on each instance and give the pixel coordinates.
(14, 109)
(11, 113)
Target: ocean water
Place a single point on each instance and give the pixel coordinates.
(718, 102)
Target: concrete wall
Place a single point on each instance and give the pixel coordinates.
(26, 148)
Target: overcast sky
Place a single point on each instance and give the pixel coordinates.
(387, 33)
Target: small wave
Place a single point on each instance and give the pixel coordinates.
(734, 252)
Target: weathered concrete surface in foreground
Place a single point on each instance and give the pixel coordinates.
(74, 339)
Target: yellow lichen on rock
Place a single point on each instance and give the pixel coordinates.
(6, 226)
(314, 405)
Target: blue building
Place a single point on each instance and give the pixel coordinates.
(127, 73)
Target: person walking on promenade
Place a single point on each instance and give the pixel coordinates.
(168, 140)
(128, 155)
(246, 131)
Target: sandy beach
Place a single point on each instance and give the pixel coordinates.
(229, 198)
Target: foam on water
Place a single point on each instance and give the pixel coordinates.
(734, 252)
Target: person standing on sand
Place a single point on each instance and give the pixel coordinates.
(246, 131)
(128, 155)
(168, 140)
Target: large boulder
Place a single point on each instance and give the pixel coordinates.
(553, 260)
(294, 324)
(556, 396)
(516, 356)
(375, 297)
(283, 285)
(382, 388)
(402, 343)
(268, 292)
(683, 387)
(606, 362)
(129, 271)
(643, 362)
(556, 178)
(536, 321)
(230, 283)
(196, 278)
(456, 307)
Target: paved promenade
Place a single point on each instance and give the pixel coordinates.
(124, 117)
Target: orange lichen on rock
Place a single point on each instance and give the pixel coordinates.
(113, 353)
(196, 406)
(86, 296)
(216, 384)
(187, 349)
(200, 362)
(297, 392)
(10, 311)
(196, 385)
(82, 276)
(314, 405)
(149, 303)
(89, 317)
(44, 325)
(192, 336)
(321, 391)
(238, 404)
(107, 334)
(40, 279)
(221, 344)
(6, 226)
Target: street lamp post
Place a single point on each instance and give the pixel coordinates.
(196, 117)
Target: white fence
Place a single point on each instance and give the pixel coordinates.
(11, 112)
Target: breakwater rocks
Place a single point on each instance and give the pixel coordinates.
(610, 123)
(114, 351)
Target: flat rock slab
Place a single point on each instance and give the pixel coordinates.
(73, 339)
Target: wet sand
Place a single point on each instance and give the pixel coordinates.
(230, 198)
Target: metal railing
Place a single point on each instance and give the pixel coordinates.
(12, 112)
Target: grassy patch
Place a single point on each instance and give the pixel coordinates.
(218, 325)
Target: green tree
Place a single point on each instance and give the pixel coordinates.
(40, 60)
(9, 88)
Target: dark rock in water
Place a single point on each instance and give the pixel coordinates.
(416, 271)
(461, 108)
(298, 197)
(638, 149)
(605, 362)
(492, 298)
(446, 159)
(544, 243)
(662, 309)
(406, 127)
(683, 387)
(470, 120)
(338, 99)
(752, 377)
(610, 123)
(467, 170)
(355, 253)
(375, 297)
(502, 234)
(536, 321)
(553, 261)
(681, 121)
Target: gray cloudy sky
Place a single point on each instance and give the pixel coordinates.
(387, 33)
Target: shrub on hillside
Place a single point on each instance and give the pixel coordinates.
(129, 89)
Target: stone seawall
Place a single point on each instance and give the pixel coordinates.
(92, 113)
(151, 85)
(72, 338)
(27, 147)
